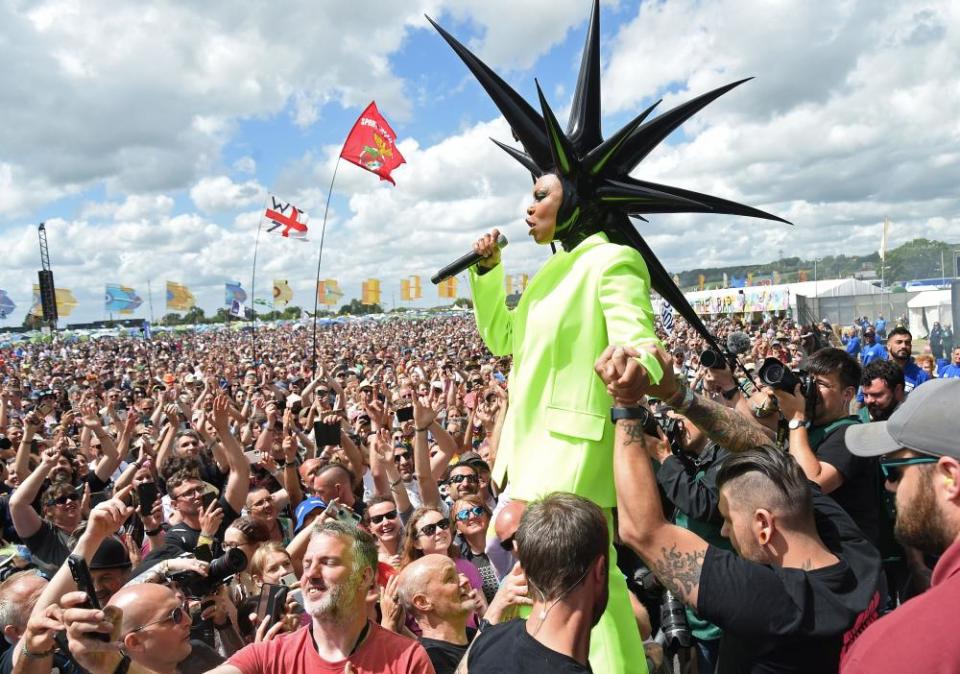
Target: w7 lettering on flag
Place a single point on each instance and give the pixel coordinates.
(285, 219)
(666, 317)
(372, 144)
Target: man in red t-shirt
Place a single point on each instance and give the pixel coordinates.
(338, 572)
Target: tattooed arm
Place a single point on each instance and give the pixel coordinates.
(674, 554)
(722, 424)
(725, 426)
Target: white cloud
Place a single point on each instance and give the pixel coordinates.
(245, 165)
(852, 117)
(220, 193)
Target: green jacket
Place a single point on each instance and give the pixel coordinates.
(557, 434)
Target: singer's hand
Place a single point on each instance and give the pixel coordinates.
(487, 246)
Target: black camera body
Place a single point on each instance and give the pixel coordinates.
(713, 360)
(775, 374)
(195, 586)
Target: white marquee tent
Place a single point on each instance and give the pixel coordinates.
(929, 307)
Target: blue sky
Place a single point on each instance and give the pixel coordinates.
(149, 152)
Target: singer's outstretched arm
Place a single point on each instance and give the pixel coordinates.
(494, 320)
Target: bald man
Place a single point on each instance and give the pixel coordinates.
(440, 601)
(18, 595)
(506, 524)
(154, 630)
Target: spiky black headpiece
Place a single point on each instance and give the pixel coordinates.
(599, 193)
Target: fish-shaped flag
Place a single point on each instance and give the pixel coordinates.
(179, 297)
(328, 292)
(282, 293)
(232, 291)
(66, 302)
(6, 304)
(120, 299)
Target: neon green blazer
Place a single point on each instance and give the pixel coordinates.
(557, 434)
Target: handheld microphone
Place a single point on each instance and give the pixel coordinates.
(463, 263)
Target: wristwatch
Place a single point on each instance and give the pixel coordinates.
(617, 413)
(796, 423)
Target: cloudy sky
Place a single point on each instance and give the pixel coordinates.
(147, 135)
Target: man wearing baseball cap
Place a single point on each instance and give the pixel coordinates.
(919, 446)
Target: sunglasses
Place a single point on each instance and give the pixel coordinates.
(176, 615)
(377, 519)
(892, 469)
(431, 529)
(457, 479)
(64, 499)
(475, 511)
(507, 544)
(401, 456)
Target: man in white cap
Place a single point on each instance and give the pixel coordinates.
(919, 446)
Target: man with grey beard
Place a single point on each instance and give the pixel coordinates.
(339, 570)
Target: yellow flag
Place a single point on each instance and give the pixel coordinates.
(405, 290)
(66, 302)
(179, 297)
(750, 278)
(776, 277)
(448, 288)
(508, 284)
(282, 293)
(371, 292)
(701, 281)
(524, 279)
(416, 292)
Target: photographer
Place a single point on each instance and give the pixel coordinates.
(817, 439)
(687, 474)
(803, 574)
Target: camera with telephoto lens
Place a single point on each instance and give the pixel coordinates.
(713, 359)
(673, 623)
(775, 374)
(673, 616)
(221, 569)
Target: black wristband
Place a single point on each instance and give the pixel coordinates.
(617, 413)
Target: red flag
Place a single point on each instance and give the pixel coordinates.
(370, 144)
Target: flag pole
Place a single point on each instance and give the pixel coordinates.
(253, 288)
(316, 287)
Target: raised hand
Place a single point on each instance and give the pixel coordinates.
(423, 415)
(210, 519)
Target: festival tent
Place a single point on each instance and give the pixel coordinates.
(929, 307)
(781, 297)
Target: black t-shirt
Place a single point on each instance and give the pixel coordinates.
(859, 494)
(444, 655)
(789, 620)
(184, 538)
(49, 547)
(507, 648)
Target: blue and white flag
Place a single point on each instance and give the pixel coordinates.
(666, 317)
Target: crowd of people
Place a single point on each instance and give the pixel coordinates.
(198, 502)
